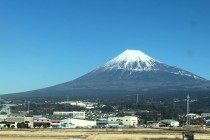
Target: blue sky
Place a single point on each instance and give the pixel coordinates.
(48, 42)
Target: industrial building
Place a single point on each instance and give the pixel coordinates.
(83, 123)
(125, 121)
(21, 119)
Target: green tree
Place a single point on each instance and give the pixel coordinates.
(12, 126)
(3, 113)
(107, 109)
(198, 121)
(22, 125)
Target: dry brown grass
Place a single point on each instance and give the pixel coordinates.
(94, 134)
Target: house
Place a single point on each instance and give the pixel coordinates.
(41, 122)
(55, 123)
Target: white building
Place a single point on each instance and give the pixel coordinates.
(204, 115)
(21, 119)
(126, 121)
(170, 122)
(8, 124)
(72, 114)
(41, 120)
(154, 125)
(87, 105)
(73, 123)
(193, 116)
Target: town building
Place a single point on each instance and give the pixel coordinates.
(20, 119)
(169, 123)
(125, 121)
(207, 123)
(87, 105)
(72, 114)
(55, 124)
(193, 116)
(3, 118)
(79, 123)
(5, 124)
(205, 115)
(102, 123)
(41, 122)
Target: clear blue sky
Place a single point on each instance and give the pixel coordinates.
(47, 42)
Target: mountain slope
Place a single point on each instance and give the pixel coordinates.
(130, 71)
(134, 70)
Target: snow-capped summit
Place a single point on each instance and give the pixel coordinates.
(132, 56)
(133, 60)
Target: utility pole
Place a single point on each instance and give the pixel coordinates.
(25, 103)
(174, 111)
(188, 109)
(137, 99)
(28, 106)
(174, 103)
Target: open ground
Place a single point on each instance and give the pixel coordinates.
(96, 134)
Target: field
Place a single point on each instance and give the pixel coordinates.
(96, 134)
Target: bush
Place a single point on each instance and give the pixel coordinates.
(22, 125)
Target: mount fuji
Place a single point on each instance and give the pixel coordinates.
(130, 71)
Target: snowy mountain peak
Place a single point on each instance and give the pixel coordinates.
(132, 60)
(133, 55)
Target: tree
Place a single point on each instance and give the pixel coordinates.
(22, 125)
(148, 116)
(107, 109)
(12, 126)
(3, 113)
(198, 121)
(120, 123)
(44, 125)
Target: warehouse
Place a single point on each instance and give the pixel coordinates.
(79, 123)
(125, 121)
(21, 119)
